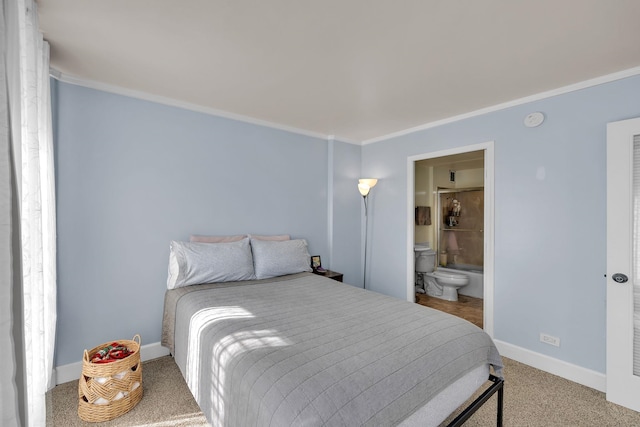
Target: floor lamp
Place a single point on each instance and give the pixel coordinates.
(364, 186)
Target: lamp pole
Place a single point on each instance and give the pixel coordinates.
(364, 186)
(366, 231)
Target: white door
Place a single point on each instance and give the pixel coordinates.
(623, 263)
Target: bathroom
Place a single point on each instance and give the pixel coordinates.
(449, 220)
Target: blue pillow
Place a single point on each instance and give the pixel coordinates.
(277, 258)
(192, 263)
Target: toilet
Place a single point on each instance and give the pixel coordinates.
(437, 284)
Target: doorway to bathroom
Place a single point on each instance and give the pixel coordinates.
(451, 211)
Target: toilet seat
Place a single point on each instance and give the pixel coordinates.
(449, 278)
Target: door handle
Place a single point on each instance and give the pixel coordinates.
(620, 278)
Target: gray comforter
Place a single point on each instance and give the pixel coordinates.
(306, 350)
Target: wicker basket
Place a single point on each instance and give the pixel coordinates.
(108, 390)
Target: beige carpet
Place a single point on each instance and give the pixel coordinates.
(531, 398)
(166, 401)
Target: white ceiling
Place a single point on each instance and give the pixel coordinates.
(356, 69)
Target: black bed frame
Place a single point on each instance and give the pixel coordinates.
(498, 385)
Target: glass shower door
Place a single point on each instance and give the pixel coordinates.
(460, 231)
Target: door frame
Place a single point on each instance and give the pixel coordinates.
(489, 238)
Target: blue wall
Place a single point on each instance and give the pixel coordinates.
(550, 216)
(345, 212)
(132, 175)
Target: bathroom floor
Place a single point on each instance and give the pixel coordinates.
(468, 308)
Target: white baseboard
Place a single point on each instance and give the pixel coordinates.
(577, 374)
(72, 371)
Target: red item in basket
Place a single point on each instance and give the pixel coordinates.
(111, 353)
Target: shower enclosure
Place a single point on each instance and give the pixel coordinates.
(460, 228)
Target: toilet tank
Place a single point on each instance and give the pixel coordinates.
(425, 259)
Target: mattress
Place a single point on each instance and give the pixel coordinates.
(307, 350)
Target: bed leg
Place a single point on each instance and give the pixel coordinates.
(500, 405)
(497, 386)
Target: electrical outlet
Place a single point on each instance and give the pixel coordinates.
(548, 339)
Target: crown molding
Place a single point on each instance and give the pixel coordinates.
(118, 90)
(520, 101)
(218, 113)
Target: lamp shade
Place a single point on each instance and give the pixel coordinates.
(364, 189)
(370, 182)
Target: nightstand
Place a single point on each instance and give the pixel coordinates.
(330, 274)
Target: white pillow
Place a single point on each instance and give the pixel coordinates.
(276, 258)
(192, 263)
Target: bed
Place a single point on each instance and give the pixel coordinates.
(302, 349)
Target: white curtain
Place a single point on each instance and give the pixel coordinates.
(9, 400)
(27, 83)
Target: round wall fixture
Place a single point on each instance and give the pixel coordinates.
(534, 119)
